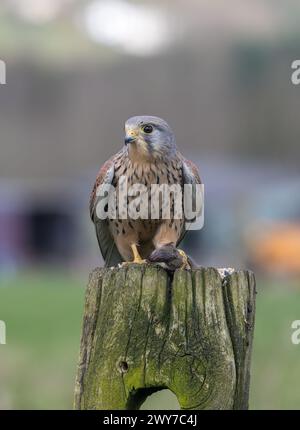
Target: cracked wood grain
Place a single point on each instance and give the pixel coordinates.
(143, 331)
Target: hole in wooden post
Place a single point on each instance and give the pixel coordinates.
(152, 398)
(123, 365)
(163, 399)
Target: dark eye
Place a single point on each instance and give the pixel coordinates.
(147, 128)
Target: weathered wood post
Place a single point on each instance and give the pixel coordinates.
(143, 331)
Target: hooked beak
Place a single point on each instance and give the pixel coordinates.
(129, 139)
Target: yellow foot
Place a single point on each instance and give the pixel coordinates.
(185, 260)
(137, 259)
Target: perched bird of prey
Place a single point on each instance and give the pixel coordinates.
(150, 156)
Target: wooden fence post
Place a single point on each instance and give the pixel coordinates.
(144, 331)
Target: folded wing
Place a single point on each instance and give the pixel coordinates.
(106, 242)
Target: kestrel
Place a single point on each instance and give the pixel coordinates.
(150, 156)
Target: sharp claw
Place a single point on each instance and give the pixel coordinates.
(137, 261)
(136, 257)
(185, 260)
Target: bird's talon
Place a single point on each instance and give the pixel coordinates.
(137, 259)
(129, 263)
(185, 261)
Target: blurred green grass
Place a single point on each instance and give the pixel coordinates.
(276, 361)
(43, 314)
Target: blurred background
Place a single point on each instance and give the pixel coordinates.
(220, 73)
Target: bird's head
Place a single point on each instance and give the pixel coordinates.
(148, 138)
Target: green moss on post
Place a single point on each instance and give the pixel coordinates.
(143, 332)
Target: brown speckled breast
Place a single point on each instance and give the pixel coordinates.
(162, 172)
